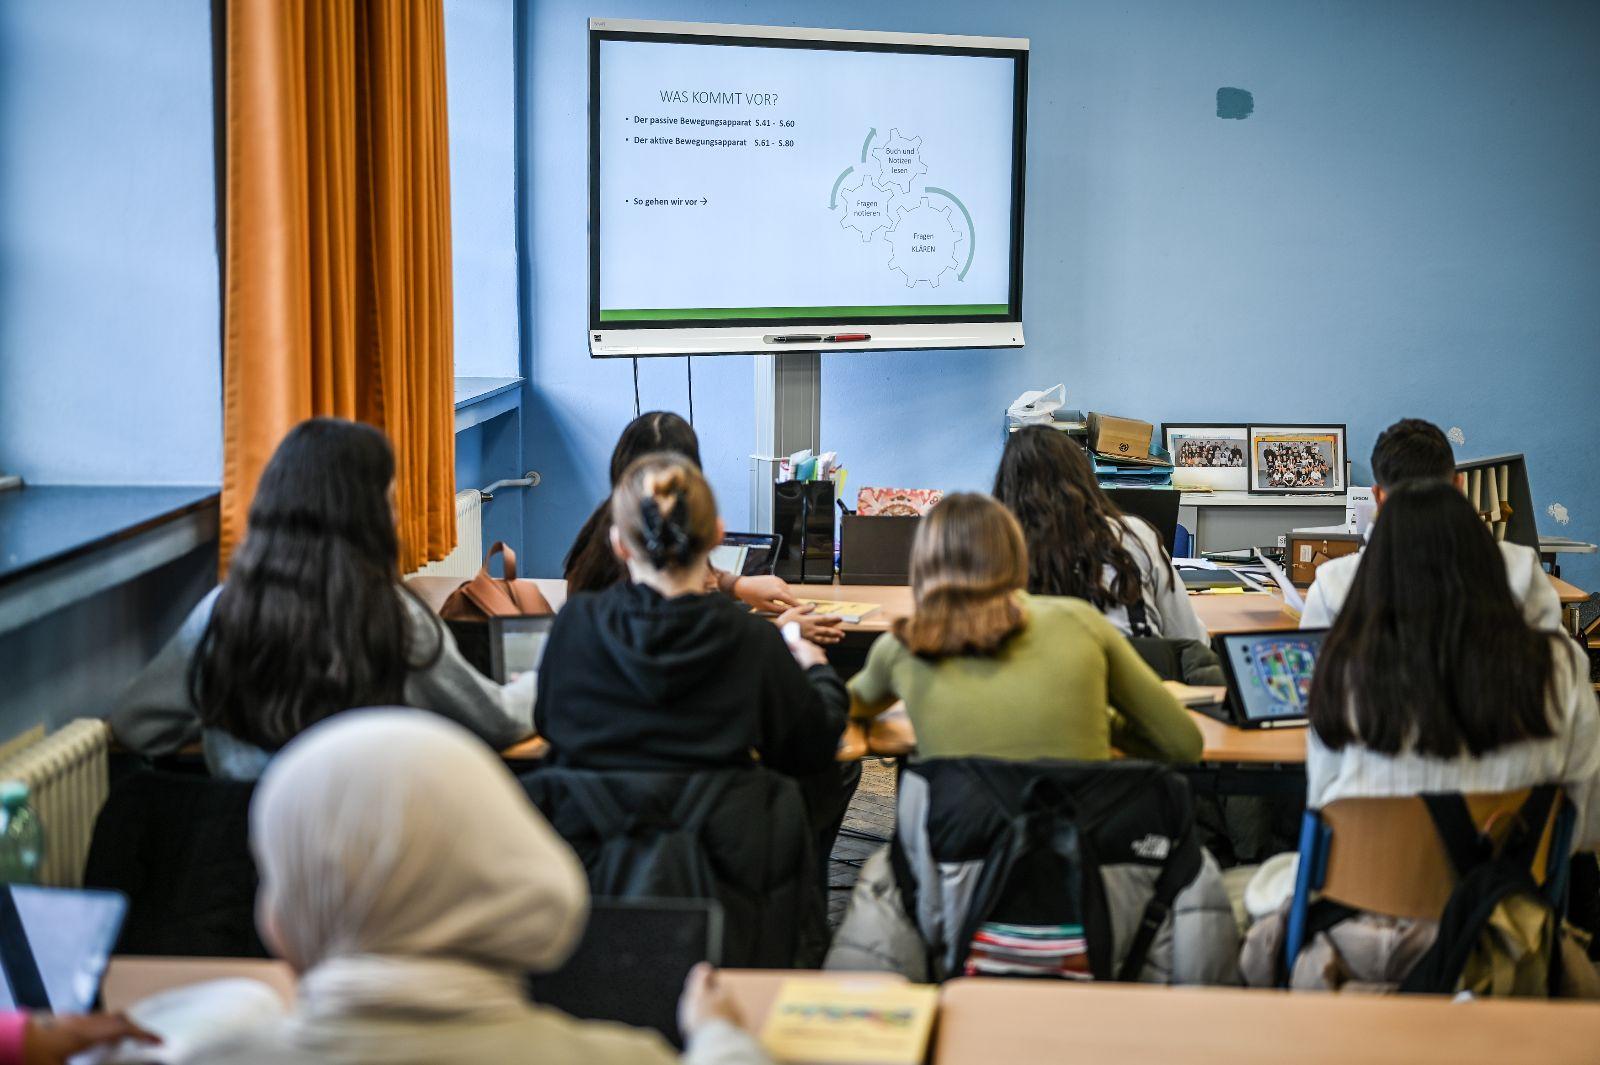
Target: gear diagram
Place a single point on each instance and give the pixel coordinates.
(866, 207)
(924, 240)
(884, 194)
(900, 161)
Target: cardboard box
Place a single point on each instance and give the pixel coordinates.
(1308, 550)
(1119, 438)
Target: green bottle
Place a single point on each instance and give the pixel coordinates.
(21, 835)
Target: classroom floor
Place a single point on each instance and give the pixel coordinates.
(867, 826)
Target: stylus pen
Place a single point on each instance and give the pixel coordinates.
(793, 338)
(848, 338)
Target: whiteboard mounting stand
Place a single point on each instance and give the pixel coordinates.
(788, 405)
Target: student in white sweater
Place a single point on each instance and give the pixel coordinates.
(313, 620)
(1411, 450)
(1432, 681)
(1080, 544)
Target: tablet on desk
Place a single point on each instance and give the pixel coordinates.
(1269, 676)
(54, 946)
(632, 960)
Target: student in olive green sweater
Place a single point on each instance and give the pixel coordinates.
(987, 670)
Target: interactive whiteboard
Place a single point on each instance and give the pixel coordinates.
(769, 189)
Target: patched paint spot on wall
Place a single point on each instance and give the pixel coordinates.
(1456, 436)
(1559, 513)
(1234, 103)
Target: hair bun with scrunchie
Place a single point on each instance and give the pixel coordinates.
(666, 541)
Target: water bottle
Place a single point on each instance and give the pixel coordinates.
(21, 835)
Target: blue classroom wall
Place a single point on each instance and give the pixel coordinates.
(1406, 224)
(109, 303)
(480, 46)
(109, 330)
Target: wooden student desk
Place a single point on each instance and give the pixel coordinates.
(1221, 613)
(890, 736)
(988, 1020)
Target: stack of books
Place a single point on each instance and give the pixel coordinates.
(1057, 950)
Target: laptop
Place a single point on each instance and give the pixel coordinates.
(632, 961)
(516, 645)
(747, 554)
(1268, 676)
(54, 946)
(1158, 506)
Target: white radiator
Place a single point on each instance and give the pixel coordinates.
(68, 778)
(467, 558)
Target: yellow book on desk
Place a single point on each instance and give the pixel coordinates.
(840, 1022)
(851, 612)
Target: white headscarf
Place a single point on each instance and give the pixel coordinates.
(403, 871)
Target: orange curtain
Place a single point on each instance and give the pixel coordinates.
(337, 251)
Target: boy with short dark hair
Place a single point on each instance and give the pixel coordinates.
(1415, 450)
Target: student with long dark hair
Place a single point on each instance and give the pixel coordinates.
(592, 565)
(988, 670)
(1431, 680)
(312, 620)
(1081, 545)
(1415, 450)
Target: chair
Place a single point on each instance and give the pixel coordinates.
(178, 846)
(740, 837)
(1385, 856)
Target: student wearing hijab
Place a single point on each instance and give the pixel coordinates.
(312, 620)
(411, 886)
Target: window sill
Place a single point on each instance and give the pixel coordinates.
(60, 544)
(480, 398)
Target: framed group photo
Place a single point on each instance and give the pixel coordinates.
(1208, 455)
(1297, 459)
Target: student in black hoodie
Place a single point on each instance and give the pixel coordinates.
(656, 673)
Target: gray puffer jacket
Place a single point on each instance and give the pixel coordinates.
(1197, 943)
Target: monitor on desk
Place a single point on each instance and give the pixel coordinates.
(1158, 506)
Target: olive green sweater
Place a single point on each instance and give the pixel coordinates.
(1068, 685)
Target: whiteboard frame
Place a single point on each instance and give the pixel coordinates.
(614, 340)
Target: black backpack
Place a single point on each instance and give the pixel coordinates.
(641, 854)
(1043, 831)
(1489, 878)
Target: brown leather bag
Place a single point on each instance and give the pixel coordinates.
(486, 596)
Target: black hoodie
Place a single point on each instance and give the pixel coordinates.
(632, 680)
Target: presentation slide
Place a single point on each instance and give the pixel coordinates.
(763, 182)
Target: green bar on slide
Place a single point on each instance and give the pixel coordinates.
(833, 314)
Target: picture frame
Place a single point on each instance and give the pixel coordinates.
(1203, 469)
(1316, 465)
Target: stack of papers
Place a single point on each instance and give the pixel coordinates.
(1029, 950)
